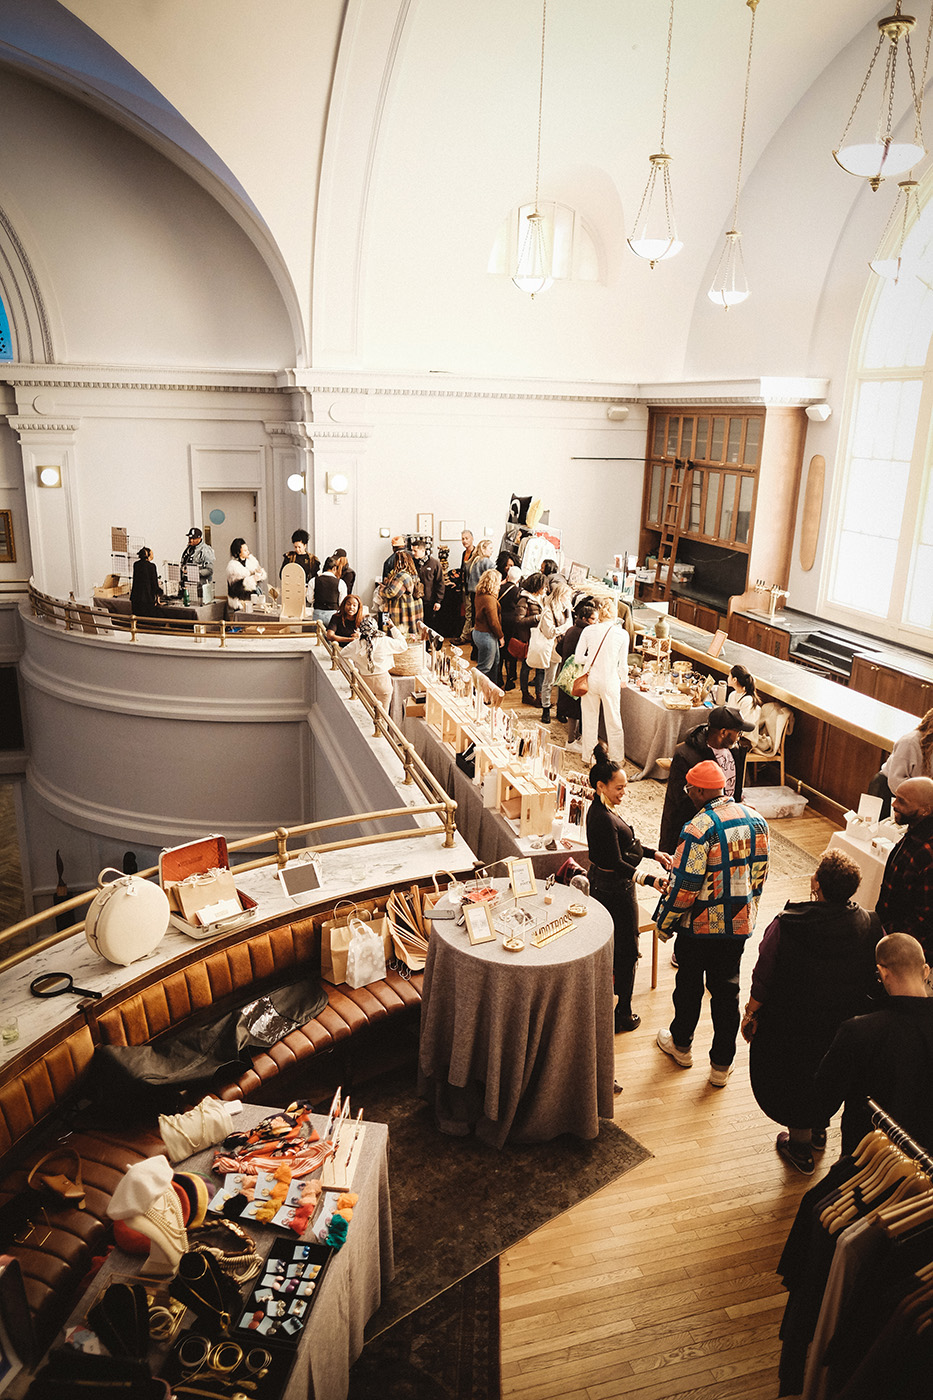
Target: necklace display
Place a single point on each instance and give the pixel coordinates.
(201, 1286)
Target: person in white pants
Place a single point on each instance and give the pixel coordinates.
(603, 650)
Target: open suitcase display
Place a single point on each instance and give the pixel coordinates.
(196, 877)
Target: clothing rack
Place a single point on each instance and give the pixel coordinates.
(900, 1138)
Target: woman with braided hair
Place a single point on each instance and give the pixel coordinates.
(373, 654)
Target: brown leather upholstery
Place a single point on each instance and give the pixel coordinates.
(55, 1256)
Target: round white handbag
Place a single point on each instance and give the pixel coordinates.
(128, 919)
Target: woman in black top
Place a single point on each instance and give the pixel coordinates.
(145, 594)
(345, 623)
(615, 852)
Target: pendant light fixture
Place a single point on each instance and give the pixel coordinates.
(730, 285)
(656, 238)
(533, 272)
(905, 212)
(872, 153)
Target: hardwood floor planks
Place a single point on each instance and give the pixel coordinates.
(662, 1285)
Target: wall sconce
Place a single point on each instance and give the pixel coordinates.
(818, 412)
(49, 476)
(296, 482)
(336, 484)
(617, 413)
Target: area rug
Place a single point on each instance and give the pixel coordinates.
(446, 1350)
(456, 1203)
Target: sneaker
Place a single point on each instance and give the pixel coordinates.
(681, 1057)
(798, 1154)
(575, 746)
(719, 1075)
(818, 1140)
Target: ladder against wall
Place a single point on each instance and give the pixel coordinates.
(672, 523)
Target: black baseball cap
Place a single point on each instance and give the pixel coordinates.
(195, 533)
(725, 717)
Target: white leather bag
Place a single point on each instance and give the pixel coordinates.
(128, 919)
(540, 650)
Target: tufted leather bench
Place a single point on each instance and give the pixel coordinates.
(40, 1088)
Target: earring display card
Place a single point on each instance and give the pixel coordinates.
(284, 1293)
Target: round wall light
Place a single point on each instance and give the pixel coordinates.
(49, 476)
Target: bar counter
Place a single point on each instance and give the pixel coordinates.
(840, 736)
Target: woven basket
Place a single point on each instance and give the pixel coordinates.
(412, 661)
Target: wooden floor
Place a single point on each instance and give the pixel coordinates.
(662, 1285)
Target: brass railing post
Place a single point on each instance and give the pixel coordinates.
(281, 845)
(450, 822)
(406, 763)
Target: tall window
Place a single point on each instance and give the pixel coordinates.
(880, 574)
(6, 342)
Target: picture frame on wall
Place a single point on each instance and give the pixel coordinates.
(452, 529)
(425, 519)
(7, 543)
(578, 575)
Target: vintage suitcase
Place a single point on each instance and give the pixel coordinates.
(196, 877)
(128, 919)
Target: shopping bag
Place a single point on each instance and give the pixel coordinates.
(568, 674)
(335, 939)
(366, 959)
(540, 650)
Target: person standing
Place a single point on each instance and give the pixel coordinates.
(615, 853)
(815, 969)
(398, 543)
(329, 592)
(373, 653)
(527, 616)
(568, 706)
(299, 554)
(200, 554)
(487, 625)
(400, 595)
(508, 596)
(146, 591)
(244, 575)
(346, 574)
(905, 904)
(555, 621)
(887, 1055)
(469, 550)
(431, 574)
(603, 650)
(911, 757)
(717, 876)
(715, 740)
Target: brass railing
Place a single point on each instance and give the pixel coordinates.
(68, 614)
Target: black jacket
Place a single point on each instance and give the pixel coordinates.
(431, 573)
(677, 805)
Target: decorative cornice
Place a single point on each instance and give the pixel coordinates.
(44, 425)
(307, 433)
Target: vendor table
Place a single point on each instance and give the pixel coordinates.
(652, 731)
(402, 688)
(520, 1046)
(352, 1287)
(870, 864)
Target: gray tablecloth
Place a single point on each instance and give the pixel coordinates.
(652, 731)
(402, 687)
(520, 1046)
(352, 1289)
(485, 831)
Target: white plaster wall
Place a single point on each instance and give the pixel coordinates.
(461, 456)
(140, 265)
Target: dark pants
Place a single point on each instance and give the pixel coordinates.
(525, 675)
(717, 961)
(617, 896)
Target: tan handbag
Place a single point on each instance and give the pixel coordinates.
(581, 685)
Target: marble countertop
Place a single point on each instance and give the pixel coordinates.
(801, 624)
(794, 685)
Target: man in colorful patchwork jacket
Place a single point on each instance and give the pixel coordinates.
(710, 904)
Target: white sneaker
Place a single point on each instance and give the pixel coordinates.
(719, 1076)
(575, 747)
(684, 1058)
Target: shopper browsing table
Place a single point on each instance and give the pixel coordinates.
(615, 853)
(146, 592)
(373, 654)
(487, 624)
(603, 650)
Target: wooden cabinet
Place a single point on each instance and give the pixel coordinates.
(885, 682)
(697, 614)
(748, 632)
(831, 762)
(740, 500)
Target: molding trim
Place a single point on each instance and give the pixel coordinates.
(44, 425)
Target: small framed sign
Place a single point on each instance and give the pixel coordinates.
(452, 529)
(425, 519)
(716, 645)
(522, 877)
(578, 575)
(479, 924)
(300, 877)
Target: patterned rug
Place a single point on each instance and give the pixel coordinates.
(446, 1350)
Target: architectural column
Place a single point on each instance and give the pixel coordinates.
(54, 520)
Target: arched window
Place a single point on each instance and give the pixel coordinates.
(880, 574)
(6, 342)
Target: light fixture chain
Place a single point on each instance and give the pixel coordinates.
(748, 75)
(926, 61)
(540, 101)
(667, 74)
(842, 139)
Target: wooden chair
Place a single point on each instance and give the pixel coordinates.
(775, 723)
